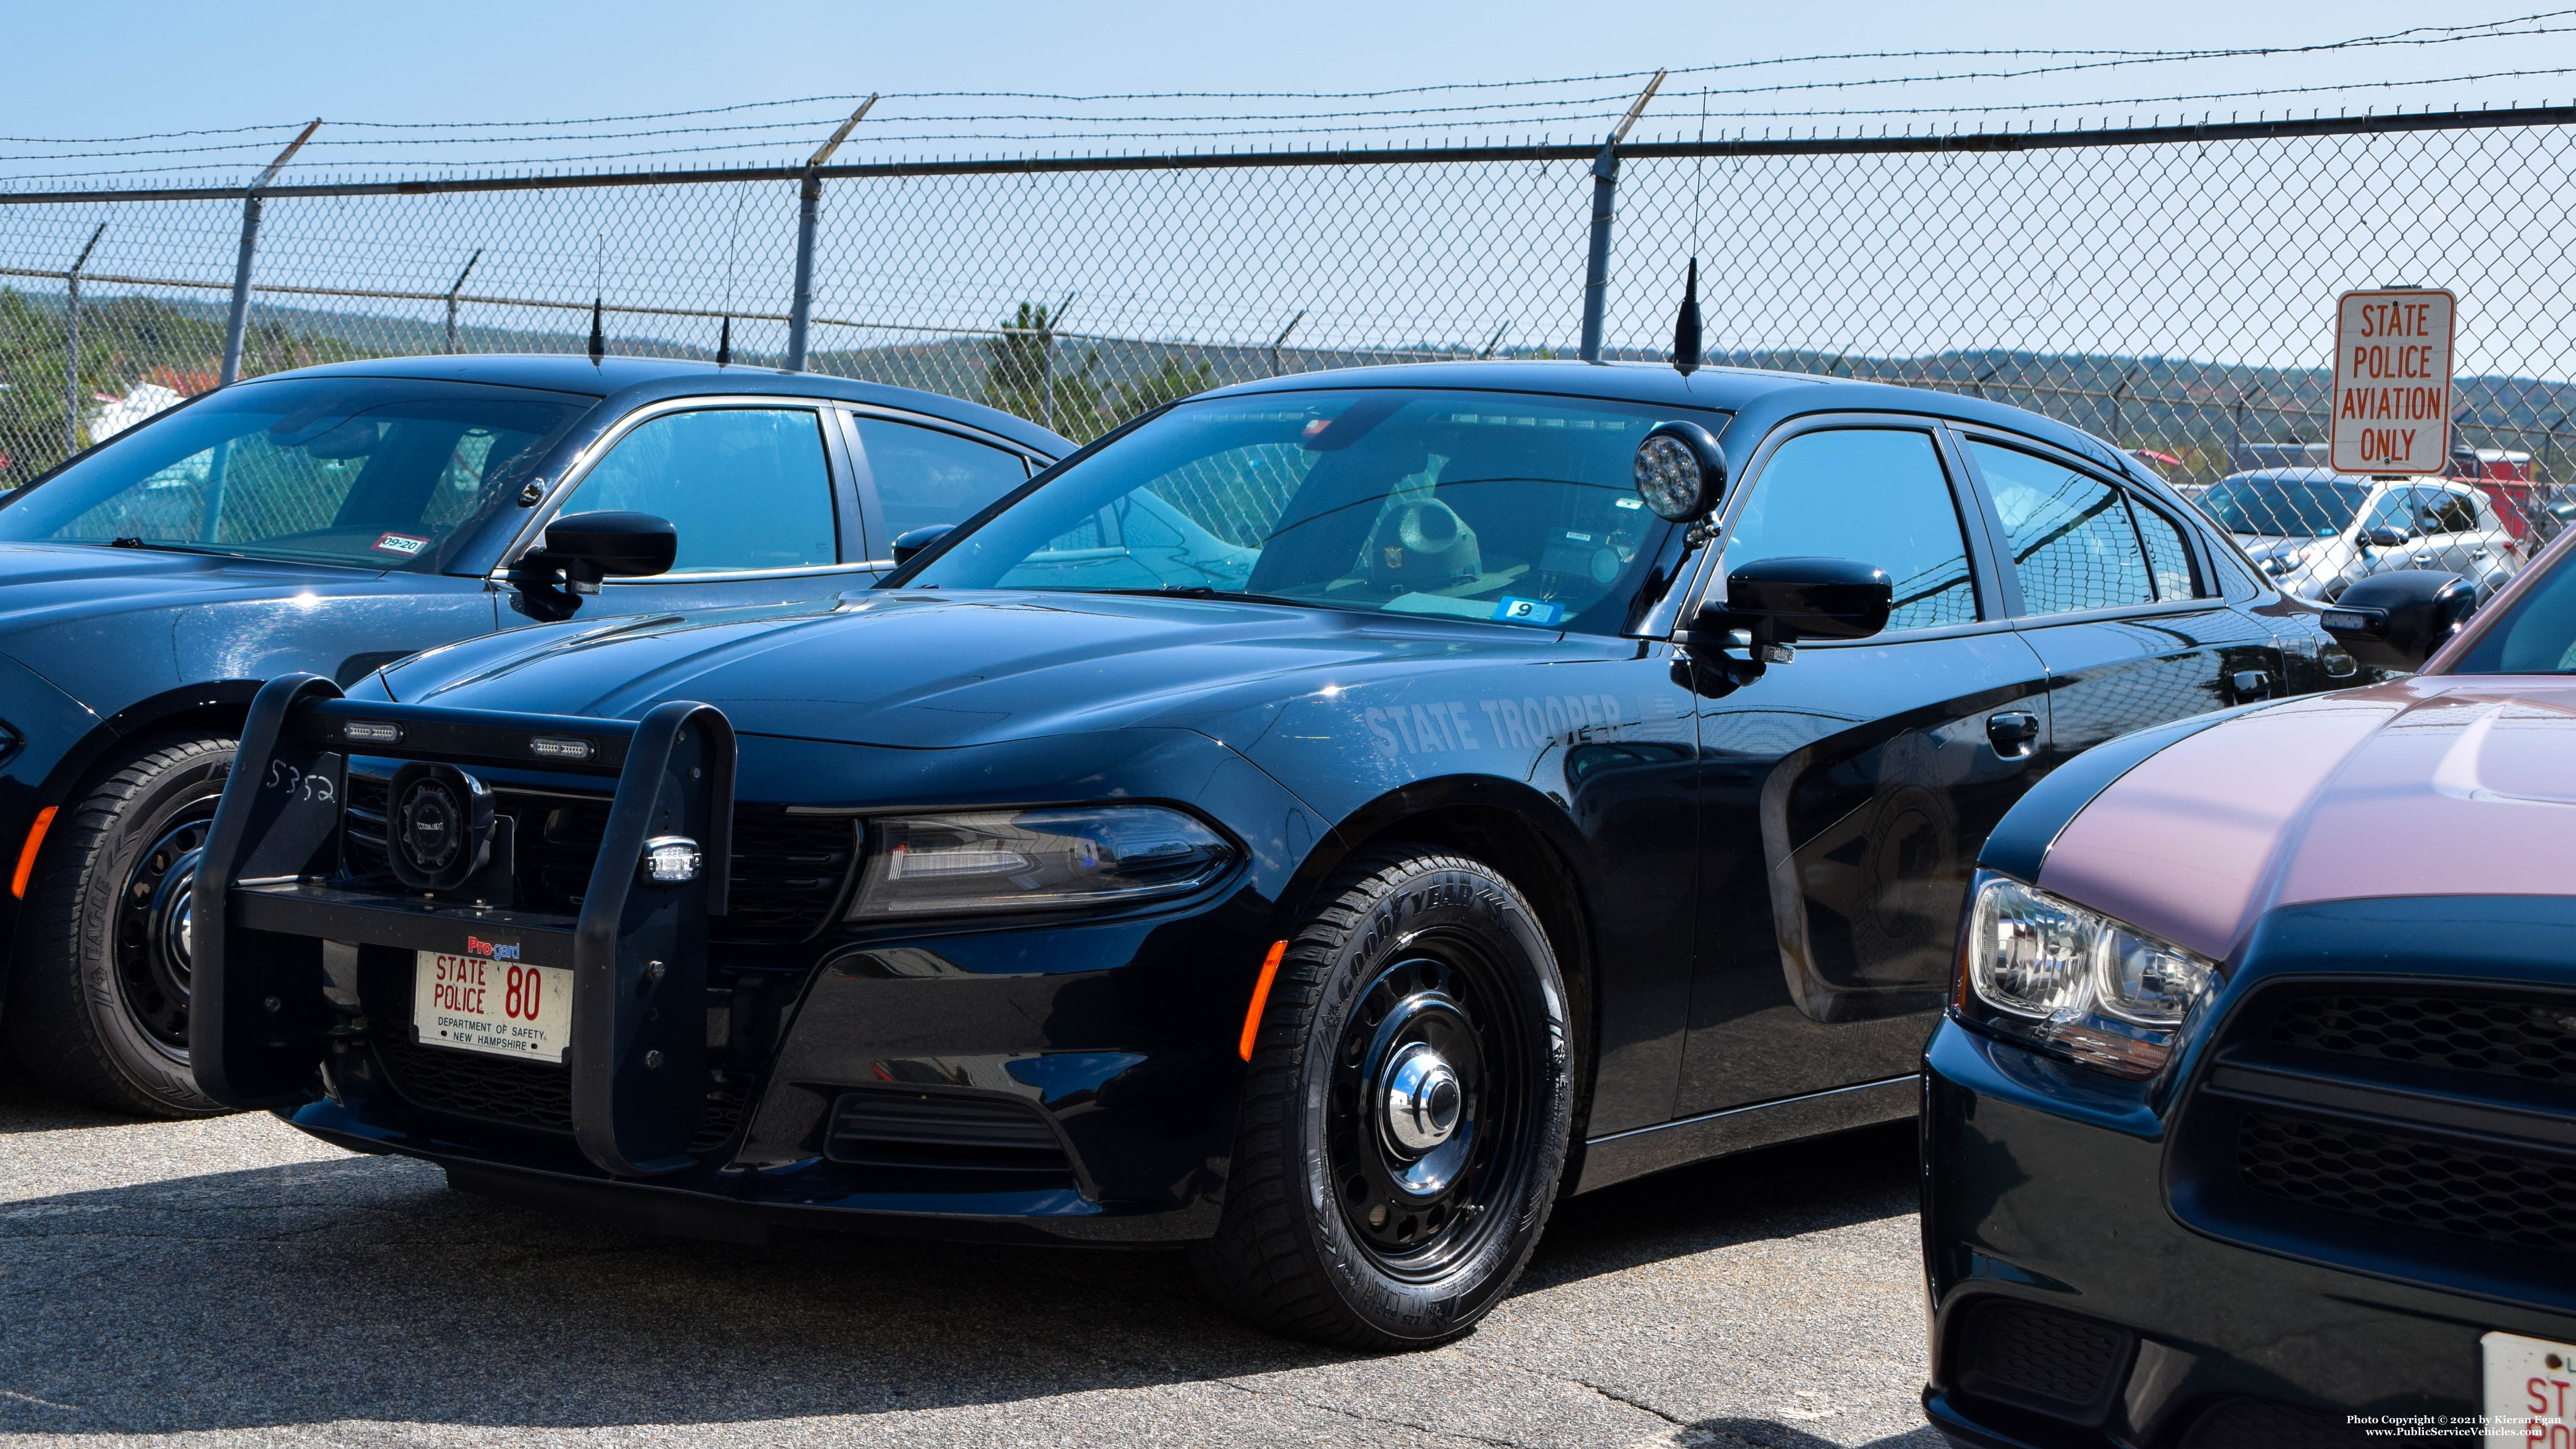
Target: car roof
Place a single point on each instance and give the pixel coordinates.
(2345, 480)
(1732, 389)
(652, 378)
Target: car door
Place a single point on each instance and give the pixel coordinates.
(2109, 589)
(2460, 533)
(757, 489)
(916, 473)
(1842, 795)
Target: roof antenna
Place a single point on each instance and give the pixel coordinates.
(733, 249)
(724, 344)
(1686, 348)
(599, 294)
(1686, 326)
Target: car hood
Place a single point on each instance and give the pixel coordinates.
(2427, 786)
(47, 583)
(929, 671)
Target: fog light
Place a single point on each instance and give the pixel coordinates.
(671, 860)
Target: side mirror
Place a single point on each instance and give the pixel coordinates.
(1680, 471)
(2398, 620)
(908, 544)
(2388, 536)
(1779, 601)
(592, 546)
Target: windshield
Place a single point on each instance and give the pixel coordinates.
(1500, 506)
(382, 473)
(2283, 507)
(2537, 636)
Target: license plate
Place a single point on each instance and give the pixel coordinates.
(2531, 1392)
(481, 1005)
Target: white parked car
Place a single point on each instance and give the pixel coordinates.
(2315, 531)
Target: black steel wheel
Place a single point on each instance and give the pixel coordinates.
(99, 993)
(1406, 1114)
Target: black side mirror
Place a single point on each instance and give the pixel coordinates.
(583, 548)
(1779, 601)
(2398, 620)
(913, 542)
(2388, 536)
(1680, 471)
(592, 546)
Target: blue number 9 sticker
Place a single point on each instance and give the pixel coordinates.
(1527, 611)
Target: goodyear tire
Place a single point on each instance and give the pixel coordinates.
(1406, 1112)
(98, 1000)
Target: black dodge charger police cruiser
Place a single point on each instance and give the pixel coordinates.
(1315, 823)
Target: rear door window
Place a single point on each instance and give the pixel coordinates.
(2068, 532)
(2168, 555)
(747, 488)
(924, 476)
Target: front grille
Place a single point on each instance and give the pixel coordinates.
(2259, 1424)
(2534, 1041)
(533, 1094)
(942, 1131)
(478, 1084)
(2054, 1363)
(788, 870)
(2500, 1197)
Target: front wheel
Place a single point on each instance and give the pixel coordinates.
(99, 996)
(1406, 1113)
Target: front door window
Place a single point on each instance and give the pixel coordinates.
(747, 488)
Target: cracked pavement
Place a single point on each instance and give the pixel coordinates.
(235, 1282)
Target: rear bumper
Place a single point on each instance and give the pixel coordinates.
(2046, 1222)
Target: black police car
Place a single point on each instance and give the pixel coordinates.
(337, 518)
(1312, 823)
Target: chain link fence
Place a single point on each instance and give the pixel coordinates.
(2169, 288)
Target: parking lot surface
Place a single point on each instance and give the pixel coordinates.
(234, 1282)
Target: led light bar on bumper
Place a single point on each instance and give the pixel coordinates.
(2075, 983)
(1047, 858)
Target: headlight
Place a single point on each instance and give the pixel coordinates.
(1050, 858)
(2077, 984)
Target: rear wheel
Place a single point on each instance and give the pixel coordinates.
(98, 1005)
(1406, 1113)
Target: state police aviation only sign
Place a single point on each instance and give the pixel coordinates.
(2392, 375)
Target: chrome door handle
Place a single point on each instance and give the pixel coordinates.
(2013, 733)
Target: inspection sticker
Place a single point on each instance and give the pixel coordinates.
(401, 543)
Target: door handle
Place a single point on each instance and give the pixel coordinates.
(2013, 733)
(2250, 684)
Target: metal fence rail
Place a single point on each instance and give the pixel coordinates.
(2169, 287)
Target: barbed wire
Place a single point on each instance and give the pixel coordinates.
(2413, 35)
(1480, 118)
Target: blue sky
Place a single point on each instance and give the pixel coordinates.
(149, 66)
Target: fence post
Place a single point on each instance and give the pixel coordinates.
(809, 213)
(239, 322)
(71, 345)
(1605, 195)
(451, 298)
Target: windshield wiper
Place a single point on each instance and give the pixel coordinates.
(1209, 591)
(130, 541)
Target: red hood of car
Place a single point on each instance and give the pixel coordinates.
(2431, 785)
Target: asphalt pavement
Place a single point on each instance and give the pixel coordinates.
(234, 1282)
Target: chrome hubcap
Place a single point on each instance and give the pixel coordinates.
(1422, 1101)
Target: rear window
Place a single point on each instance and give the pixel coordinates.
(383, 473)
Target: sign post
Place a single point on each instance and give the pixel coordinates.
(2392, 380)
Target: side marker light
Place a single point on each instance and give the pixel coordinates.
(45, 820)
(1251, 1018)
